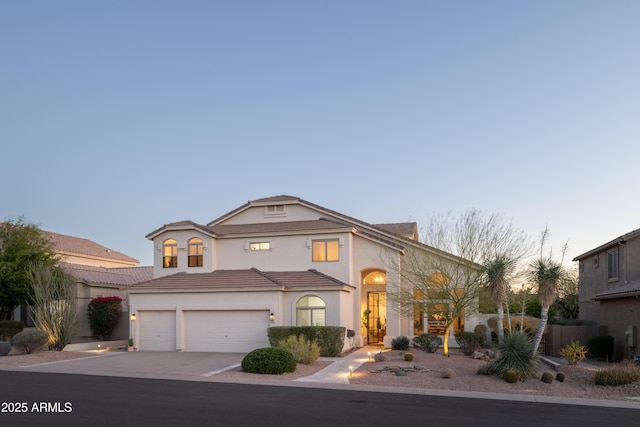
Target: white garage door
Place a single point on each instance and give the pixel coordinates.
(230, 331)
(157, 330)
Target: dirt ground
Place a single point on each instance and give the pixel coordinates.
(579, 381)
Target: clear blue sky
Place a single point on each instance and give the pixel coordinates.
(117, 117)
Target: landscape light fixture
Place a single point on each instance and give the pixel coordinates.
(271, 317)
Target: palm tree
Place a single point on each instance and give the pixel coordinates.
(546, 274)
(497, 271)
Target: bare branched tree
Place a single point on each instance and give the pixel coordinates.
(54, 305)
(443, 276)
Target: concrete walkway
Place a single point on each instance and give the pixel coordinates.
(340, 368)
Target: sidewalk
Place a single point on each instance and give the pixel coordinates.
(338, 371)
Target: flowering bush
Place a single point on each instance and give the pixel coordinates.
(103, 314)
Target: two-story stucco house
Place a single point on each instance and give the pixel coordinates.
(609, 295)
(271, 262)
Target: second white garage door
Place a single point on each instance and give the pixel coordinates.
(228, 331)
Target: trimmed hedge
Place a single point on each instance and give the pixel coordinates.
(269, 360)
(330, 339)
(427, 342)
(8, 328)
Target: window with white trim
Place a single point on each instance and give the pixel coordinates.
(195, 246)
(170, 254)
(310, 311)
(612, 264)
(325, 250)
(259, 246)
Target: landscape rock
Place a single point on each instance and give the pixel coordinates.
(400, 373)
(448, 373)
(380, 357)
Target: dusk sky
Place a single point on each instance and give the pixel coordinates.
(118, 117)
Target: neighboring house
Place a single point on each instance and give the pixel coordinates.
(99, 271)
(610, 290)
(277, 261)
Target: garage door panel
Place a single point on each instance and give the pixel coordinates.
(157, 330)
(226, 330)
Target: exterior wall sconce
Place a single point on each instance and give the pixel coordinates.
(271, 317)
(133, 317)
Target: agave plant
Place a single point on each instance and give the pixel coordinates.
(515, 354)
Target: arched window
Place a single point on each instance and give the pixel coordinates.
(170, 254)
(195, 252)
(375, 277)
(310, 311)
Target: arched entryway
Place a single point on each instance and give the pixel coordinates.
(374, 305)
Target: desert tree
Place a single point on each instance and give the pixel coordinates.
(443, 275)
(54, 304)
(546, 274)
(21, 244)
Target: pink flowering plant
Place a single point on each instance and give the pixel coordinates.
(103, 314)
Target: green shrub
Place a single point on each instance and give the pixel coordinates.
(30, 340)
(482, 331)
(515, 353)
(485, 369)
(303, 350)
(400, 343)
(560, 376)
(330, 339)
(269, 360)
(574, 352)
(8, 328)
(408, 357)
(622, 373)
(547, 377)
(601, 347)
(427, 342)
(103, 314)
(469, 342)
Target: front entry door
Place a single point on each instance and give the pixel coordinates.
(376, 305)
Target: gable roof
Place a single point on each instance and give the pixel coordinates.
(108, 277)
(404, 229)
(251, 279)
(618, 240)
(63, 244)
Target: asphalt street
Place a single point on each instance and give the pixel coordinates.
(51, 399)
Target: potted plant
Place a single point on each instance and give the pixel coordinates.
(131, 347)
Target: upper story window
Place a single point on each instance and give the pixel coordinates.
(612, 264)
(325, 250)
(195, 246)
(170, 254)
(259, 246)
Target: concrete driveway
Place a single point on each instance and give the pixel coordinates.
(146, 364)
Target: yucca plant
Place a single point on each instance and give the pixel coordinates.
(515, 354)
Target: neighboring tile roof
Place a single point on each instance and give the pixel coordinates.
(628, 289)
(617, 240)
(276, 227)
(240, 279)
(111, 277)
(77, 245)
(405, 229)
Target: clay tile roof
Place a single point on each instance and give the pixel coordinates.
(405, 229)
(110, 277)
(238, 279)
(290, 226)
(628, 289)
(77, 245)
